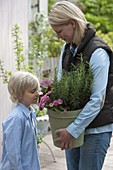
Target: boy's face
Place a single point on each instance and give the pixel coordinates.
(30, 97)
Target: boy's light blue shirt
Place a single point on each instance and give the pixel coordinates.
(100, 66)
(19, 141)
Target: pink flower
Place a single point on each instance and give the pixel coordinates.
(43, 101)
(65, 110)
(49, 92)
(51, 105)
(60, 101)
(45, 98)
(55, 103)
(46, 82)
(41, 106)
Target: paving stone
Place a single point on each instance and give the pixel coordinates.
(47, 161)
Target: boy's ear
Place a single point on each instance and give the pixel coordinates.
(20, 98)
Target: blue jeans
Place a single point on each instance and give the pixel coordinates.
(91, 155)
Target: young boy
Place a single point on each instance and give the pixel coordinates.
(19, 128)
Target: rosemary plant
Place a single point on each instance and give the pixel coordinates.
(74, 88)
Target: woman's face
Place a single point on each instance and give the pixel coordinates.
(65, 32)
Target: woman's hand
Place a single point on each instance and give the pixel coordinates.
(65, 138)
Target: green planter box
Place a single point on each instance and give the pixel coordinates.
(60, 120)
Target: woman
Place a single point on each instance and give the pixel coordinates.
(96, 118)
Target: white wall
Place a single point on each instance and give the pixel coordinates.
(44, 6)
(11, 12)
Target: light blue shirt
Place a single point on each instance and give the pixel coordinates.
(19, 140)
(100, 66)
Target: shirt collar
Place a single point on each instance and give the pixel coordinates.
(73, 49)
(25, 110)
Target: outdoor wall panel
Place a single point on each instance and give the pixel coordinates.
(11, 12)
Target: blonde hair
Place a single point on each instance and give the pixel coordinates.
(62, 12)
(19, 82)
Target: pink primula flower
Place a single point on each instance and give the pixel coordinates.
(49, 92)
(43, 101)
(55, 103)
(60, 101)
(41, 105)
(46, 82)
(51, 105)
(45, 98)
(65, 110)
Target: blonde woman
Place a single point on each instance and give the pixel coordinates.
(19, 128)
(96, 118)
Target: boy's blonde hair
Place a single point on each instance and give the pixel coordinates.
(19, 82)
(62, 12)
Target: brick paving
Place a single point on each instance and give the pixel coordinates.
(48, 162)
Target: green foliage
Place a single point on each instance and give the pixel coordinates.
(108, 38)
(99, 12)
(38, 40)
(19, 53)
(74, 88)
(40, 112)
(18, 47)
(43, 41)
(50, 3)
(4, 74)
(39, 138)
(54, 44)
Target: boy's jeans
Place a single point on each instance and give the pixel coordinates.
(91, 155)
